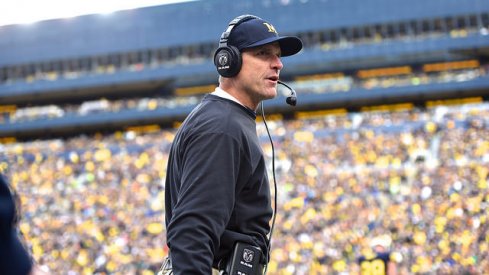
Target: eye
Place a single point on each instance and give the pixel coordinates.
(262, 52)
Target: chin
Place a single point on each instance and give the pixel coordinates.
(271, 94)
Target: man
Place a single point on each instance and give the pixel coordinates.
(378, 261)
(14, 259)
(217, 192)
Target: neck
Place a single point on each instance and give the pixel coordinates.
(231, 88)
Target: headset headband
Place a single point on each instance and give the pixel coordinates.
(227, 58)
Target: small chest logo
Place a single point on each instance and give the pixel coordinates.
(248, 255)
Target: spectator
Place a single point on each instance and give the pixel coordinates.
(14, 258)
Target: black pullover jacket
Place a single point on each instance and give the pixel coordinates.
(216, 189)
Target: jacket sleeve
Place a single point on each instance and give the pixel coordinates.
(205, 202)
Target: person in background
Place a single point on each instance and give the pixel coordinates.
(378, 261)
(14, 258)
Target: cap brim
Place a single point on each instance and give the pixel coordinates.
(289, 45)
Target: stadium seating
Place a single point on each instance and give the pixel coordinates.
(95, 203)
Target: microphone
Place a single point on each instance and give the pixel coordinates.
(292, 98)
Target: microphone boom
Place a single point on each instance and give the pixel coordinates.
(292, 98)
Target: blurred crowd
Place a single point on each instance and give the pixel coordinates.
(420, 177)
(332, 84)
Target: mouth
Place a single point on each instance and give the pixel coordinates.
(273, 78)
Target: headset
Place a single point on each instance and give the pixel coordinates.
(227, 58)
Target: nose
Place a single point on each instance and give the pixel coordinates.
(277, 63)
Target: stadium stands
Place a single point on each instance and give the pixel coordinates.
(95, 203)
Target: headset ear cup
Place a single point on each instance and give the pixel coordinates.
(227, 60)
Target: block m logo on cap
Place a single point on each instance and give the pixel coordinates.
(270, 27)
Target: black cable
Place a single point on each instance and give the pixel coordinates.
(275, 190)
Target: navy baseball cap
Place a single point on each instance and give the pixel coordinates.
(257, 32)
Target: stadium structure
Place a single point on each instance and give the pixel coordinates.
(384, 141)
(162, 52)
